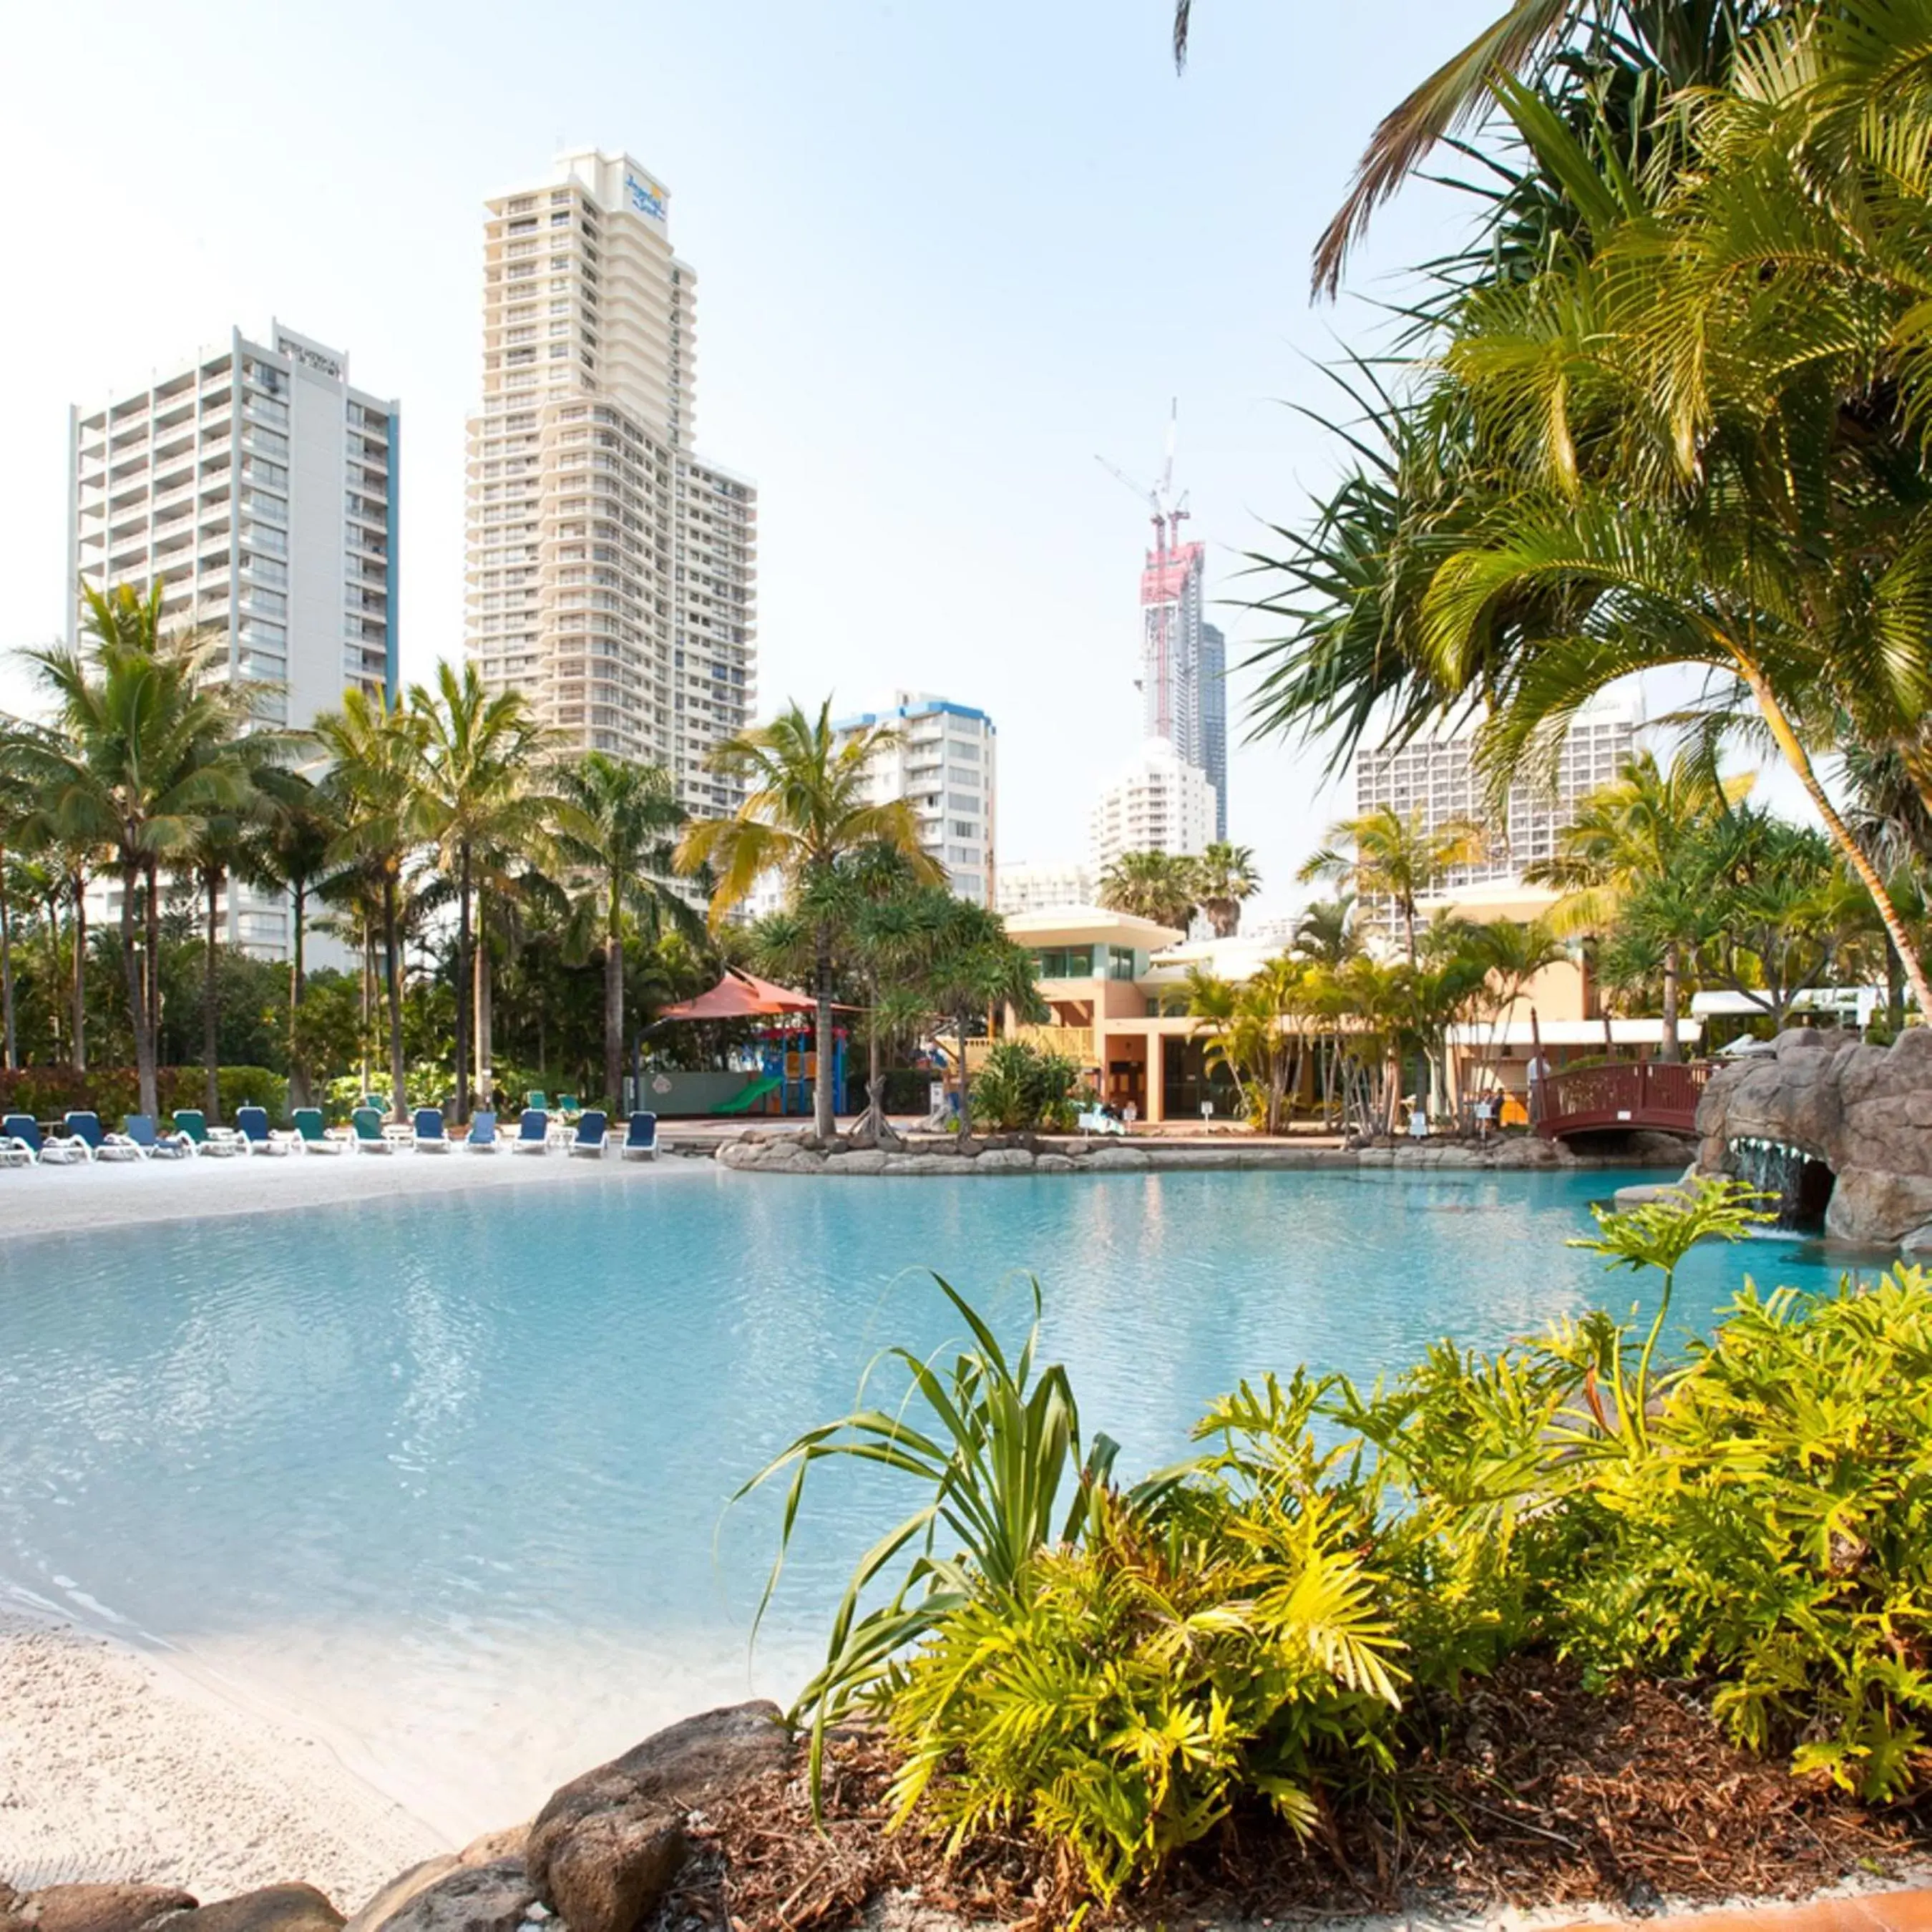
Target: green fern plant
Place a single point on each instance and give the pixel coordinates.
(1132, 1690)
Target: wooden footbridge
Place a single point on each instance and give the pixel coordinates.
(1663, 1094)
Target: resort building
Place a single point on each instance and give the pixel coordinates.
(610, 571)
(1044, 888)
(943, 762)
(1434, 775)
(1163, 802)
(259, 487)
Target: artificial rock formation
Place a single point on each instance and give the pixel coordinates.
(1864, 1112)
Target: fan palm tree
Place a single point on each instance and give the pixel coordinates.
(614, 826)
(145, 743)
(809, 805)
(1159, 885)
(1619, 839)
(376, 751)
(1395, 856)
(472, 792)
(1225, 878)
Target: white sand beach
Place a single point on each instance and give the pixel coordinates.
(51, 1199)
(116, 1764)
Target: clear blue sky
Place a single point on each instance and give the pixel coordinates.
(947, 254)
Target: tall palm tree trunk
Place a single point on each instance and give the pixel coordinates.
(10, 1041)
(299, 1092)
(1853, 853)
(392, 982)
(211, 1041)
(824, 1114)
(139, 1014)
(464, 940)
(1670, 1050)
(486, 1073)
(79, 973)
(613, 994)
(368, 998)
(56, 970)
(875, 1079)
(961, 1021)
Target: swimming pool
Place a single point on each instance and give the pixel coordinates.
(447, 1475)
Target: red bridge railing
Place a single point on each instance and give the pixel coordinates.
(1641, 1094)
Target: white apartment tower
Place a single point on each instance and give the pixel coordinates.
(609, 571)
(943, 762)
(1024, 888)
(1163, 803)
(1434, 775)
(259, 488)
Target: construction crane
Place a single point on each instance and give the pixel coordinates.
(1167, 512)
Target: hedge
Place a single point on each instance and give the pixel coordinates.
(113, 1092)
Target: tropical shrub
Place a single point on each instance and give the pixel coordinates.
(112, 1092)
(1127, 1693)
(1018, 1086)
(1753, 1515)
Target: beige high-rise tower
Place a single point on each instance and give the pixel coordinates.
(610, 571)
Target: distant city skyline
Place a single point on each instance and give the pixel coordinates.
(906, 354)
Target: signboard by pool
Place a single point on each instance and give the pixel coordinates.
(645, 195)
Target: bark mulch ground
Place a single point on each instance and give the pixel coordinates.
(1539, 1792)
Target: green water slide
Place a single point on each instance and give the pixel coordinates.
(743, 1103)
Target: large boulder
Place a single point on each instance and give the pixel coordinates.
(273, 1908)
(471, 1898)
(604, 1851)
(1865, 1112)
(103, 1908)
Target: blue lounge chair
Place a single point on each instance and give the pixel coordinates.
(532, 1132)
(252, 1124)
(115, 1146)
(482, 1132)
(430, 1137)
(20, 1141)
(84, 1125)
(139, 1130)
(311, 1136)
(641, 1141)
(591, 1127)
(366, 1124)
(190, 1121)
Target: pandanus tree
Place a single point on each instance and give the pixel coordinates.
(146, 745)
(376, 751)
(809, 804)
(614, 829)
(474, 795)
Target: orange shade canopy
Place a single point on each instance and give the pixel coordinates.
(740, 996)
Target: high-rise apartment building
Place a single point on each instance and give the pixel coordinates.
(942, 761)
(1213, 681)
(1435, 776)
(1173, 579)
(1027, 888)
(610, 570)
(1163, 802)
(259, 488)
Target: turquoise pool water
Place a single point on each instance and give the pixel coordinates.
(448, 1475)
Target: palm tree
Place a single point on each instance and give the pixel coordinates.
(473, 794)
(1225, 876)
(1326, 932)
(965, 966)
(1159, 885)
(212, 855)
(146, 744)
(1621, 838)
(614, 824)
(376, 752)
(286, 850)
(808, 805)
(1396, 857)
(1255, 1030)
(17, 808)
